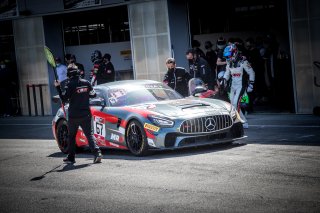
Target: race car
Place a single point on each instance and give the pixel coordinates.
(146, 115)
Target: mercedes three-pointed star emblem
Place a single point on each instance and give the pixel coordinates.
(210, 124)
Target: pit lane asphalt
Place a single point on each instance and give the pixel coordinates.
(275, 169)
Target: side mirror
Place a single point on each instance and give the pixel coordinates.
(199, 89)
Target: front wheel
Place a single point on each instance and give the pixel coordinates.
(62, 136)
(136, 139)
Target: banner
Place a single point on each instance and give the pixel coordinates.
(74, 4)
(8, 8)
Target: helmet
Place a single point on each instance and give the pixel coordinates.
(221, 43)
(232, 55)
(73, 71)
(96, 56)
(230, 51)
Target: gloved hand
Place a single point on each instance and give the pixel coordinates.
(250, 87)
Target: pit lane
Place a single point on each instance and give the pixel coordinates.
(275, 169)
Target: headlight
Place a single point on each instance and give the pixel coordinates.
(161, 121)
(233, 112)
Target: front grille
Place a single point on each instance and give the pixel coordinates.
(206, 124)
(202, 139)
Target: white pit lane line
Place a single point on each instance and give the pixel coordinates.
(283, 126)
(26, 124)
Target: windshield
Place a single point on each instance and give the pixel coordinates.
(139, 94)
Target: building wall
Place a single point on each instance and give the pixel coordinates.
(179, 31)
(304, 22)
(31, 63)
(150, 38)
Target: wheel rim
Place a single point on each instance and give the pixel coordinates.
(135, 138)
(63, 137)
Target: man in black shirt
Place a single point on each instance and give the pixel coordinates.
(106, 72)
(176, 77)
(199, 68)
(77, 92)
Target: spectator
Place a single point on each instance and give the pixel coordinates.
(176, 77)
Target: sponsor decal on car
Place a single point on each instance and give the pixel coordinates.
(151, 127)
(114, 137)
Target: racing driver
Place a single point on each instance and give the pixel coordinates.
(236, 65)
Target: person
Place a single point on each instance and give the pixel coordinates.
(70, 58)
(5, 90)
(235, 71)
(257, 64)
(211, 57)
(199, 68)
(176, 77)
(96, 59)
(221, 61)
(77, 92)
(196, 46)
(61, 72)
(106, 72)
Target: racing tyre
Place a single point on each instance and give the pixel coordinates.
(136, 139)
(62, 136)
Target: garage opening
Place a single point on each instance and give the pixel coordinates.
(9, 89)
(106, 30)
(265, 23)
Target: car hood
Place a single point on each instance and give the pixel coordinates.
(189, 107)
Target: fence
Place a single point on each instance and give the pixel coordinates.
(35, 101)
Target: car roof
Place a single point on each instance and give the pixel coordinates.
(126, 83)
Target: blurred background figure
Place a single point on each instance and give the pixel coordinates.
(71, 59)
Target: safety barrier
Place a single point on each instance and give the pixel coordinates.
(34, 94)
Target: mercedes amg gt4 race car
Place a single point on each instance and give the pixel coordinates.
(144, 115)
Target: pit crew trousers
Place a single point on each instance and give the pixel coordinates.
(85, 124)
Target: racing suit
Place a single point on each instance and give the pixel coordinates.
(77, 92)
(178, 79)
(239, 84)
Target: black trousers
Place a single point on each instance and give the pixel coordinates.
(85, 123)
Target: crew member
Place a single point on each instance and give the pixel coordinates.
(176, 77)
(199, 68)
(77, 92)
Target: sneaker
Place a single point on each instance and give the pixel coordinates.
(97, 157)
(69, 160)
(245, 125)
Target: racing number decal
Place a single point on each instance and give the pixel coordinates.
(99, 127)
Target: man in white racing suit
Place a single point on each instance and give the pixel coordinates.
(236, 69)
